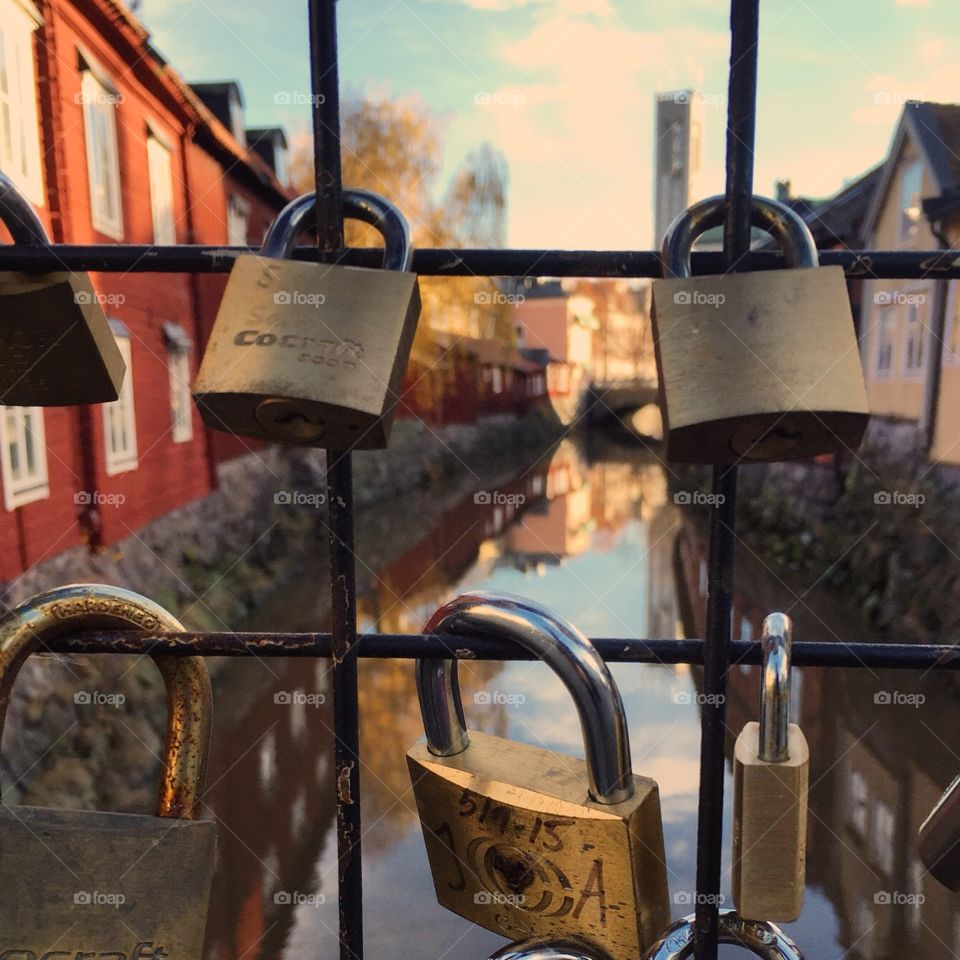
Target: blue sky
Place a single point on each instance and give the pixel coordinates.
(570, 86)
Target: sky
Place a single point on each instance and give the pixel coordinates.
(565, 88)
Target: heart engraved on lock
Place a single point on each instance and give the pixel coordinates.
(313, 354)
(56, 346)
(755, 366)
(526, 841)
(91, 883)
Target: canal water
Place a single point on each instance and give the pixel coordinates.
(603, 544)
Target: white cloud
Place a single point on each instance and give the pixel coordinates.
(912, 3)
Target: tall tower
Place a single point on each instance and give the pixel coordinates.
(677, 138)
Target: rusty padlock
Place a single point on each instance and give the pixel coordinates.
(755, 366)
(760, 937)
(940, 838)
(313, 354)
(771, 769)
(90, 883)
(526, 841)
(56, 346)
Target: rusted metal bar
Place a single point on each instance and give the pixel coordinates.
(437, 262)
(406, 646)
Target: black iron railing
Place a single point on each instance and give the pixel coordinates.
(343, 646)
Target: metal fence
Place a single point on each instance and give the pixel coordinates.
(715, 652)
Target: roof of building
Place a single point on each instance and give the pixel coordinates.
(935, 130)
(838, 220)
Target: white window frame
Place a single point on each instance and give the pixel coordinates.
(121, 413)
(30, 485)
(160, 167)
(885, 326)
(19, 124)
(238, 221)
(99, 105)
(908, 223)
(913, 324)
(496, 380)
(883, 834)
(951, 332)
(858, 803)
(181, 402)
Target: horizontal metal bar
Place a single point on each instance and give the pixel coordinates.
(127, 258)
(413, 646)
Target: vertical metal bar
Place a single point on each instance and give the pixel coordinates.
(324, 77)
(741, 116)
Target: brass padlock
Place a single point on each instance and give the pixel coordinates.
(760, 937)
(526, 841)
(755, 366)
(940, 838)
(771, 767)
(56, 346)
(313, 354)
(85, 883)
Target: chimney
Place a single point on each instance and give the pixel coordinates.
(783, 194)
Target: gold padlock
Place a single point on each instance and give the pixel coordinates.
(755, 366)
(56, 346)
(88, 883)
(313, 354)
(526, 841)
(771, 770)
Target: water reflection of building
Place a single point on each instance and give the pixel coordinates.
(876, 769)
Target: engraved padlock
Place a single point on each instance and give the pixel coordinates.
(940, 838)
(760, 937)
(755, 366)
(90, 883)
(527, 841)
(56, 346)
(313, 354)
(771, 767)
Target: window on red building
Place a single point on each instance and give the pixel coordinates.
(23, 456)
(178, 364)
(161, 190)
(238, 214)
(119, 422)
(19, 130)
(100, 101)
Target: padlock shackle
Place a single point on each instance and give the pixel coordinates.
(91, 606)
(536, 949)
(776, 641)
(19, 217)
(563, 648)
(299, 215)
(761, 937)
(782, 223)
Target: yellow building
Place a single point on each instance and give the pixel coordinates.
(915, 199)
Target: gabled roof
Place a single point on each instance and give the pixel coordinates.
(838, 220)
(935, 130)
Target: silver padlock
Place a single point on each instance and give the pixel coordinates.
(534, 949)
(56, 346)
(760, 937)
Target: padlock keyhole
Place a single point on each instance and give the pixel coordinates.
(286, 420)
(517, 874)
